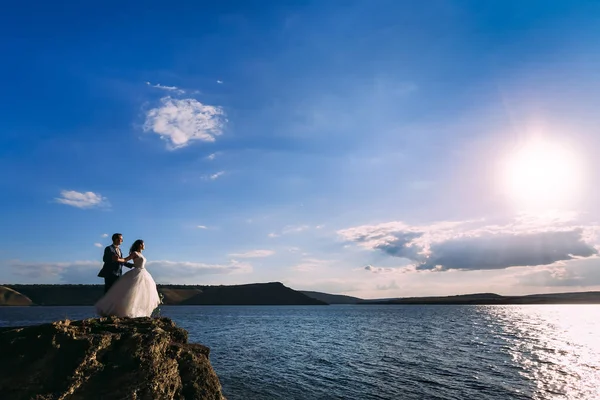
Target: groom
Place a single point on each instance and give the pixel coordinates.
(113, 262)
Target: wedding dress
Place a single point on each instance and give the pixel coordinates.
(133, 295)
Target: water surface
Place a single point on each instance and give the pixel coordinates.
(387, 352)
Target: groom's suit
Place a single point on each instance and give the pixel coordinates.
(111, 270)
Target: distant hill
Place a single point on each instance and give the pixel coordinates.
(332, 298)
(60, 295)
(176, 295)
(9, 297)
(273, 293)
(492, 298)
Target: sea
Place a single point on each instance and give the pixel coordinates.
(443, 352)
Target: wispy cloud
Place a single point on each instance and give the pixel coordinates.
(310, 265)
(219, 81)
(164, 269)
(167, 88)
(212, 156)
(474, 245)
(202, 227)
(105, 235)
(213, 177)
(378, 270)
(67, 272)
(216, 175)
(85, 271)
(181, 121)
(294, 229)
(98, 245)
(253, 254)
(81, 199)
(575, 273)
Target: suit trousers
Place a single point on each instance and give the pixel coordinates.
(109, 280)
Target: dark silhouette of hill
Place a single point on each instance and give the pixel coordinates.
(492, 298)
(332, 298)
(273, 293)
(60, 295)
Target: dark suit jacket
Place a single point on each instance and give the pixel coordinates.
(110, 266)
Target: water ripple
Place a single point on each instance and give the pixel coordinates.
(388, 352)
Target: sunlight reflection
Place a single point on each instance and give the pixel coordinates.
(556, 346)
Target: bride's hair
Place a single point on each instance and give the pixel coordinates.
(136, 246)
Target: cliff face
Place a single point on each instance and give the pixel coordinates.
(106, 358)
(9, 297)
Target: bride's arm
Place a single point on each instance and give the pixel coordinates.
(131, 256)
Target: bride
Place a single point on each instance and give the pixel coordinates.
(134, 294)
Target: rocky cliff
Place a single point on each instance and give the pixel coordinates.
(106, 358)
(10, 297)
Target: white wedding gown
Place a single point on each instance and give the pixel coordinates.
(133, 295)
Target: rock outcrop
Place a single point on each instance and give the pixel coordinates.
(105, 358)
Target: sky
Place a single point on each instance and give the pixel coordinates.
(374, 149)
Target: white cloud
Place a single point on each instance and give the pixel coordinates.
(86, 271)
(379, 270)
(219, 81)
(66, 272)
(167, 88)
(105, 235)
(216, 175)
(310, 265)
(253, 254)
(202, 227)
(475, 245)
(81, 199)
(98, 245)
(180, 122)
(212, 156)
(164, 269)
(294, 229)
(575, 273)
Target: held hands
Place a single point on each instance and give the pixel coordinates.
(123, 261)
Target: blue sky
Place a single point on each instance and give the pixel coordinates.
(376, 149)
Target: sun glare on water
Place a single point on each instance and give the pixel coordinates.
(541, 175)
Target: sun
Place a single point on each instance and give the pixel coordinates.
(542, 174)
